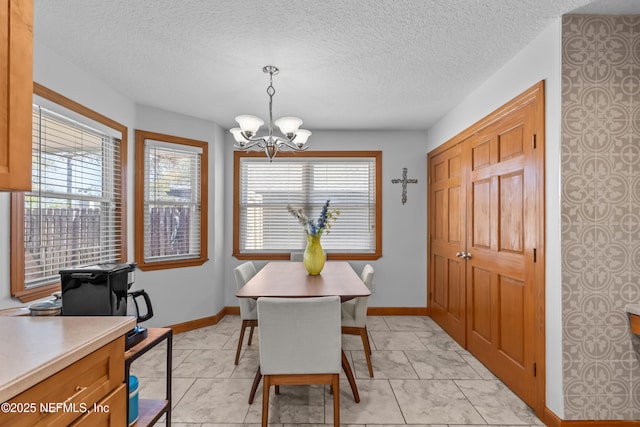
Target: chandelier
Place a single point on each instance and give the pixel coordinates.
(246, 138)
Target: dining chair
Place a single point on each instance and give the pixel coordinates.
(300, 344)
(248, 311)
(354, 316)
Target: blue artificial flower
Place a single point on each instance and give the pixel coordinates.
(322, 223)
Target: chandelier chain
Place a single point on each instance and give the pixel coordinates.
(271, 91)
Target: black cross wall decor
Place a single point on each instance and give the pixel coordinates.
(404, 181)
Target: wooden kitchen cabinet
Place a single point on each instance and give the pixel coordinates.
(16, 93)
(108, 412)
(87, 392)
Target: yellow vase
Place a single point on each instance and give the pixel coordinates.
(314, 256)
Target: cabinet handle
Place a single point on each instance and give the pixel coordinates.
(79, 390)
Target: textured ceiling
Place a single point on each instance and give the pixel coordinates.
(344, 64)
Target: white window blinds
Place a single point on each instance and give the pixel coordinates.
(71, 216)
(266, 188)
(172, 201)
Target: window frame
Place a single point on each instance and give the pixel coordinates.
(140, 137)
(351, 256)
(17, 285)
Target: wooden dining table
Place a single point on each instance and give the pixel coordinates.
(289, 279)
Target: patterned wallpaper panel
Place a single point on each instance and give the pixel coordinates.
(600, 215)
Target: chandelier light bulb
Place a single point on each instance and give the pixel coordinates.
(288, 125)
(302, 135)
(237, 135)
(249, 124)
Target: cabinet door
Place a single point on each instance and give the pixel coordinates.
(16, 93)
(109, 412)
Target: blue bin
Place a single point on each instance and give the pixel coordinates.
(133, 399)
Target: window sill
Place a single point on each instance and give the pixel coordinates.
(28, 295)
(165, 265)
(287, 255)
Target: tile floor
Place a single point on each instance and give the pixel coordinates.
(422, 378)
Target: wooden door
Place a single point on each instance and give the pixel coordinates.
(501, 229)
(486, 242)
(447, 233)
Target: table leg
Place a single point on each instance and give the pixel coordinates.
(349, 374)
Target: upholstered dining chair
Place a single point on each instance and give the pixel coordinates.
(248, 311)
(300, 344)
(354, 316)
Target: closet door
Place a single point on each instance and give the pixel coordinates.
(447, 200)
(501, 231)
(486, 242)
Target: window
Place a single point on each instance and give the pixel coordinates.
(264, 229)
(74, 213)
(171, 201)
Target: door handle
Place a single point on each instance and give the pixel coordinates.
(459, 254)
(466, 255)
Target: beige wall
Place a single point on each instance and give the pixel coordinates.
(600, 214)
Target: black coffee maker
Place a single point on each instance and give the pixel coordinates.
(103, 290)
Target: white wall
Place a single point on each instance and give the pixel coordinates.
(540, 60)
(188, 293)
(400, 278)
(178, 295)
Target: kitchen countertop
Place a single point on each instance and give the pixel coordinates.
(35, 347)
(633, 309)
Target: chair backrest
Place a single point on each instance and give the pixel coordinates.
(296, 256)
(299, 335)
(361, 303)
(243, 273)
(367, 275)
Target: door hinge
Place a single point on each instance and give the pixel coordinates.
(535, 369)
(534, 255)
(429, 179)
(533, 141)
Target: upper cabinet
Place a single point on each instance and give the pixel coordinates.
(16, 93)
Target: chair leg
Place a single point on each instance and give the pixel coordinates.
(336, 400)
(250, 334)
(349, 373)
(254, 386)
(266, 384)
(242, 328)
(367, 349)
